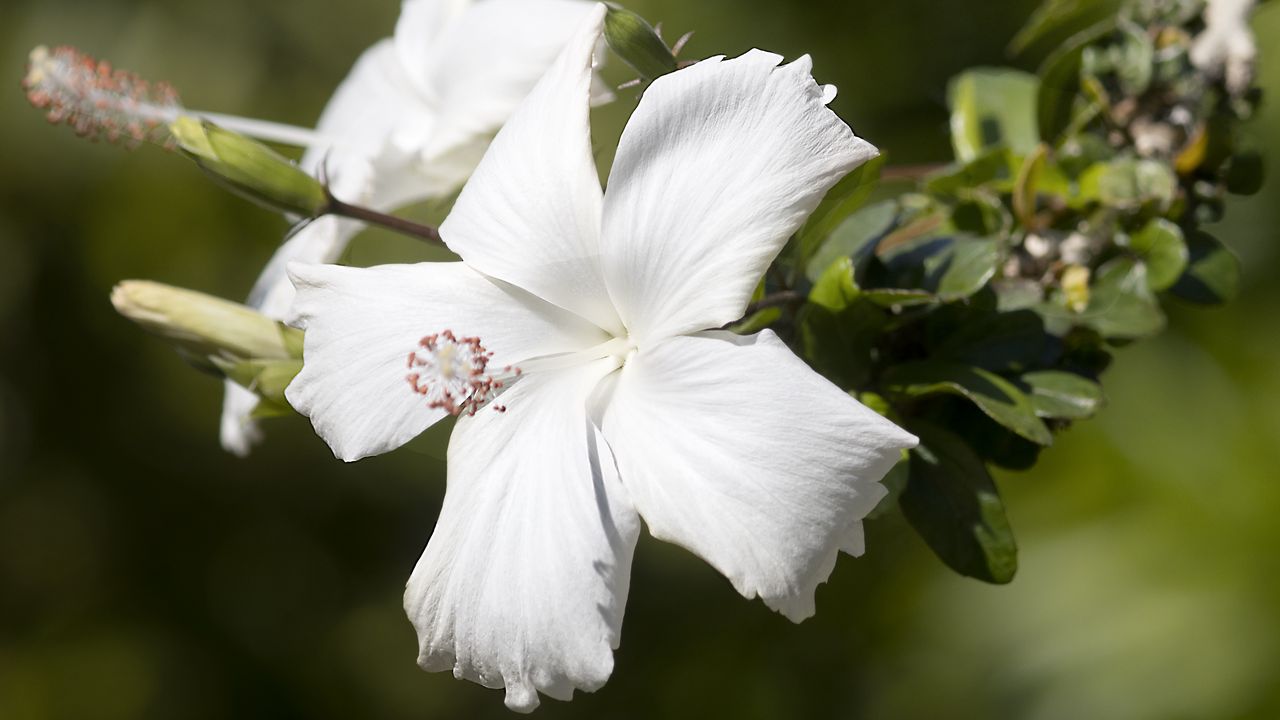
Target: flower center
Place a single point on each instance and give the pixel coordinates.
(452, 373)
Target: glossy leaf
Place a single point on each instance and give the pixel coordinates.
(996, 164)
(1163, 251)
(1064, 395)
(838, 327)
(993, 107)
(1245, 174)
(1060, 81)
(952, 502)
(840, 202)
(1058, 18)
(1121, 305)
(964, 269)
(853, 236)
(1128, 184)
(998, 398)
(1212, 276)
(993, 341)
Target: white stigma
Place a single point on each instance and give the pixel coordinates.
(102, 102)
(452, 373)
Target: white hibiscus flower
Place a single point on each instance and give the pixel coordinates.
(409, 123)
(578, 342)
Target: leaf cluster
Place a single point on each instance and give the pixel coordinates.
(980, 307)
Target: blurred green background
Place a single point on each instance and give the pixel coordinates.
(146, 574)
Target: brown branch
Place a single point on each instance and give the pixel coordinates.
(391, 222)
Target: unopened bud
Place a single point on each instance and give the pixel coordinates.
(637, 43)
(249, 168)
(205, 329)
(1075, 287)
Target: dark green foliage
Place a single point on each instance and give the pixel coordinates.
(988, 300)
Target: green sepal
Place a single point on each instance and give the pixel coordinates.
(250, 169)
(267, 378)
(637, 43)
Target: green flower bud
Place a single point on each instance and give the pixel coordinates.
(210, 332)
(250, 169)
(637, 43)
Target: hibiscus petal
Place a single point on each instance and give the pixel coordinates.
(718, 166)
(733, 448)
(530, 215)
(239, 432)
(492, 56)
(524, 582)
(362, 324)
(421, 24)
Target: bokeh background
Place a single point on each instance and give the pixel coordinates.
(146, 574)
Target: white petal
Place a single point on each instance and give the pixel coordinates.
(239, 432)
(489, 59)
(362, 324)
(718, 165)
(375, 98)
(733, 448)
(524, 582)
(421, 25)
(530, 215)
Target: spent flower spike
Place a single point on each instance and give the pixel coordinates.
(631, 403)
(409, 123)
(100, 101)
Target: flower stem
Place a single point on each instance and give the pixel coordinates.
(391, 222)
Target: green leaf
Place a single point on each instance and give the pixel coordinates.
(1212, 276)
(838, 327)
(996, 341)
(1057, 394)
(1121, 305)
(952, 502)
(1060, 81)
(1128, 184)
(1163, 251)
(1062, 17)
(637, 43)
(997, 164)
(993, 107)
(757, 321)
(839, 204)
(1245, 174)
(897, 297)
(853, 236)
(964, 269)
(1000, 399)
(936, 269)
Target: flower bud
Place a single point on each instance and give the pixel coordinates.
(249, 168)
(210, 332)
(637, 43)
